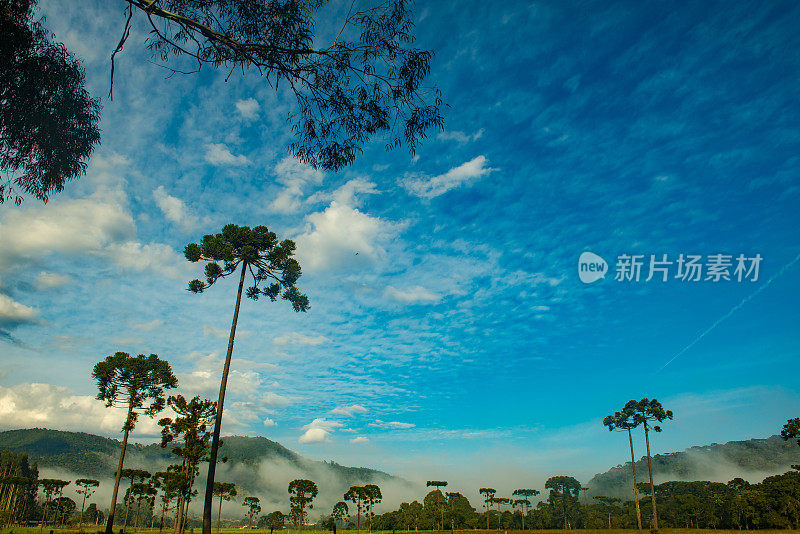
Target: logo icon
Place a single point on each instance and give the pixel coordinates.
(591, 267)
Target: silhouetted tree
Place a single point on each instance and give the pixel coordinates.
(225, 491)
(136, 383)
(563, 490)
(50, 487)
(274, 274)
(367, 81)
(48, 121)
(487, 493)
(86, 487)
(525, 502)
(441, 500)
(648, 410)
(358, 496)
(626, 420)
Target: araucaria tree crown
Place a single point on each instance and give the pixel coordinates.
(274, 272)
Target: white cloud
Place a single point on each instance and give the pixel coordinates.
(343, 237)
(152, 257)
(295, 338)
(460, 137)
(46, 280)
(360, 439)
(151, 325)
(50, 406)
(71, 226)
(248, 109)
(349, 411)
(174, 209)
(394, 425)
(13, 313)
(294, 175)
(219, 154)
(269, 422)
(430, 187)
(319, 430)
(100, 225)
(411, 295)
(346, 193)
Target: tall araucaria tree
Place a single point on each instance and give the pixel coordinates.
(302, 492)
(374, 497)
(133, 475)
(340, 511)
(524, 502)
(189, 435)
(441, 499)
(565, 490)
(87, 487)
(626, 421)
(358, 496)
(274, 273)
(253, 505)
(225, 491)
(136, 383)
(648, 410)
(488, 494)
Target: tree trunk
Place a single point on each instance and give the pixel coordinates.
(635, 490)
(219, 513)
(212, 462)
(650, 470)
(80, 521)
(110, 522)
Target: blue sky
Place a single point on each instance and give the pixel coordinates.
(459, 341)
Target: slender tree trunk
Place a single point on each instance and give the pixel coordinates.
(219, 513)
(80, 522)
(110, 522)
(635, 490)
(212, 463)
(650, 470)
(163, 511)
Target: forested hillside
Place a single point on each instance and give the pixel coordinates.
(752, 459)
(95, 456)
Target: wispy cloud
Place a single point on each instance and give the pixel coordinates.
(248, 108)
(218, 154)
(433, 186)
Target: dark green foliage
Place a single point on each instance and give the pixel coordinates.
(754, 455)
(253, 508)
(136, 382)
(564, 491)
(272, 520)
(18, 483)
(48, 121)
(791, 430)
(368, 81)
(301, 496)
(274, 272)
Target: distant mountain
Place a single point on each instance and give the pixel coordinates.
(752, 460)
(258, 465)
